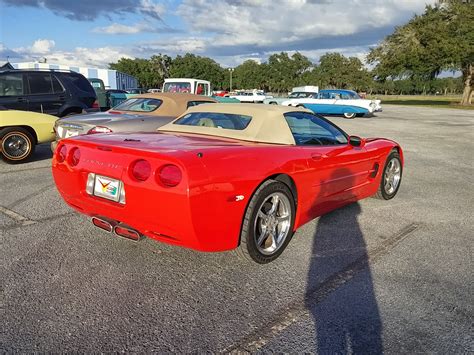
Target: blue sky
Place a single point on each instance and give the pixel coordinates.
(97, 32)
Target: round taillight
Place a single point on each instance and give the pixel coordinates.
(61, 154)
(141, 170)
(74, 156)
(169, 175)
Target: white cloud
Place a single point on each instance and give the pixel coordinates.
(117, 28)
(79, 56)
(269, 22)
(42, 46)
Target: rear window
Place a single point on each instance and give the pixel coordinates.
(81, 82)
(139, 105)
(216, 120)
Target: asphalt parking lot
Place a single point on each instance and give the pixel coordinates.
(393, 276)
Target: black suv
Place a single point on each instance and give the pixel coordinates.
(58, 93)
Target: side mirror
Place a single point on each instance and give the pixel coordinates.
(356, 141)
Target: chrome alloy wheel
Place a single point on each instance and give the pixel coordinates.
(392, 176)
(272, 224)
(16, 146)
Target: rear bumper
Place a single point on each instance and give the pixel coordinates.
(184, 216)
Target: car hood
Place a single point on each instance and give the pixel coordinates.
(99, 118)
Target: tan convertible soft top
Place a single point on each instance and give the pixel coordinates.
(267, 125)
(174, 104)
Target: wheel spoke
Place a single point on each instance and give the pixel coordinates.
(275, 202)
(263, 236)
(261, 214)
(274, 240)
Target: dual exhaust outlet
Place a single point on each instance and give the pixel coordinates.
(118, 229)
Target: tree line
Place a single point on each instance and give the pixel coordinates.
(408, 61)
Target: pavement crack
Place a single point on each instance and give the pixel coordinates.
(295, 311)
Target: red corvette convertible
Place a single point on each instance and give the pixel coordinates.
(224, 176)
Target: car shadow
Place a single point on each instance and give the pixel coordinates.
(42, 152)
(340, 292)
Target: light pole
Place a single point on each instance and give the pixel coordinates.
(230, 71)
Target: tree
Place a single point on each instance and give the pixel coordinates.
(284, 72)
(442, 38)
(249, 75)
(142, 69)
(192, 66)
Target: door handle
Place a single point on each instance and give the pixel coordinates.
(21, 99)
(316, 156)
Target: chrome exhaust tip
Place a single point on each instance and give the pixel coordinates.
(126, 232)
(102, 224)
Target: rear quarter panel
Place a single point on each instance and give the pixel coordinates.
(42, 124)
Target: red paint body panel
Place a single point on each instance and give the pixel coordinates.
(202, 211)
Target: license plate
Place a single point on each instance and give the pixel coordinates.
(108, 188)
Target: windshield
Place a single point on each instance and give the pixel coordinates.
(295, 95)
(216, 120)
(139, 105)
(177, 87)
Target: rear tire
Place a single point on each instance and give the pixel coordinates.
(391, 177)
(349, 115)
(268, 223)
(17, 145)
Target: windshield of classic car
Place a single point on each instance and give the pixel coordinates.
(216, 120)
(308, 129)
(139, 105)
(177, 87)
(295, 95)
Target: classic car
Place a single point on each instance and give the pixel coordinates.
(293, 96)
(249, 96)
(223, 177)
(143, 113)
(337, 102)
(21, 131)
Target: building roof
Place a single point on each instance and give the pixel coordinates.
(5, 65)
(267, 125)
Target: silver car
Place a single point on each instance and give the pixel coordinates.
(142, 113)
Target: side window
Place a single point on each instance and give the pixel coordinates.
(11, 85)
(308, 129)
(40, 83)
(200, 90)
(57, 87)
(80, 82)
(345, 96)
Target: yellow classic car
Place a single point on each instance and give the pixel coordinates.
(21, 131)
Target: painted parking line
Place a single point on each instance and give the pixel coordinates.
(24, 221)
(295, 312)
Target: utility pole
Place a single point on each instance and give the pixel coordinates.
(230, 71)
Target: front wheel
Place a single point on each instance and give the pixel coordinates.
(268, 223)
(391, 177)
(349, 115)
(17, 144)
